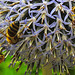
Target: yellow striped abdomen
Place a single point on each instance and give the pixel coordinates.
(11, 32)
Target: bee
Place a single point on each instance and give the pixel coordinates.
(1, 57)
(72, 17)
(11, 32)
(73, 9)
(73, 21)
(13, 35)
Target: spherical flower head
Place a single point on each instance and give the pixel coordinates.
(45, 35)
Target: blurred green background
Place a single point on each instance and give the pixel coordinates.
(4, 70)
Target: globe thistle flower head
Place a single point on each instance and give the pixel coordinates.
(46, 33)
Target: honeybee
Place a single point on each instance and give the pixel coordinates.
(73, 9)
(72, 17)
(11, 33)
(1, 57)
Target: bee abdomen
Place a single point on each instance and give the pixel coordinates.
(11, 33)
(13, 29)
(15, 26)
